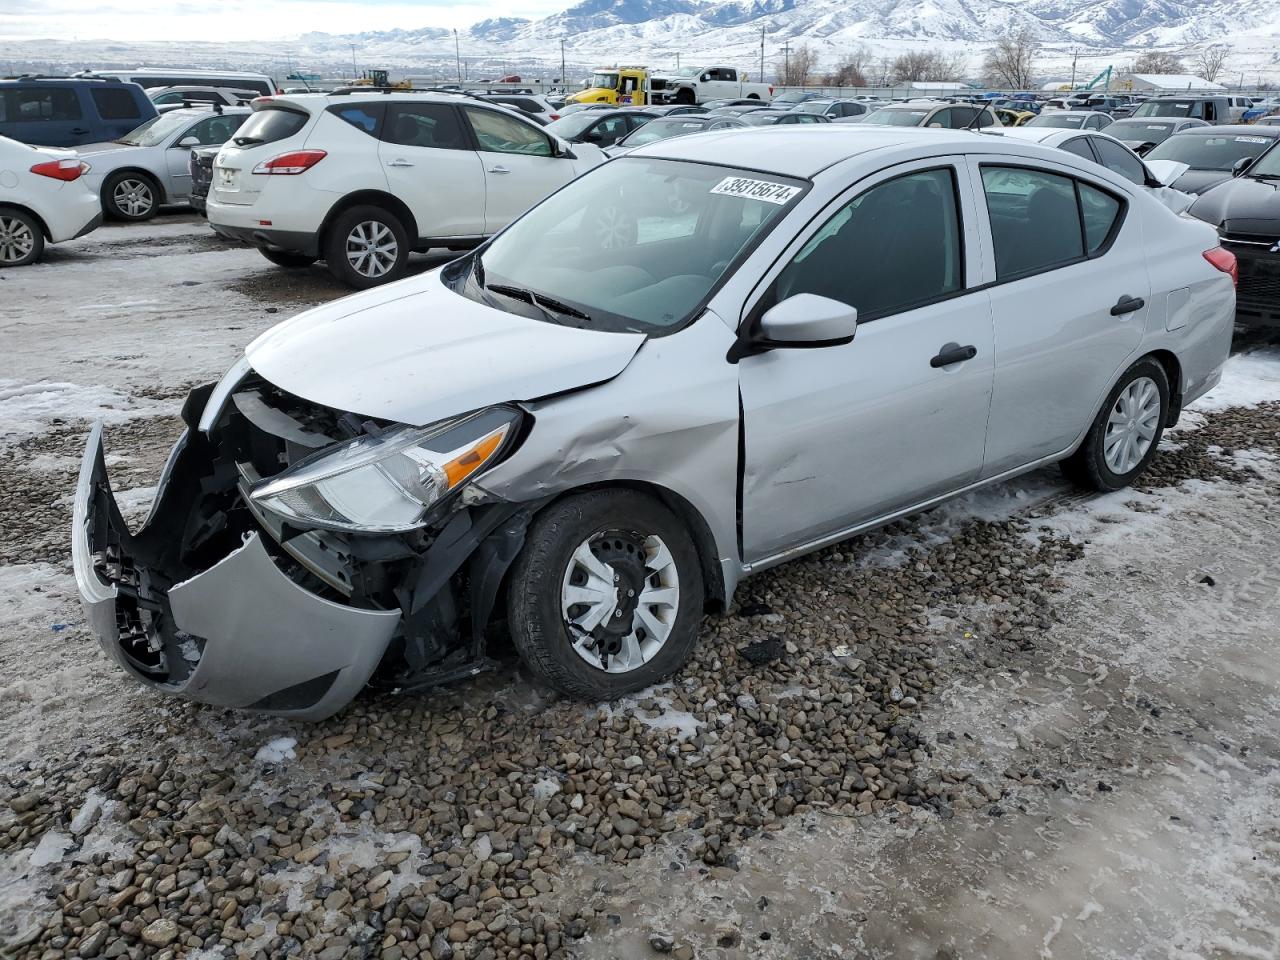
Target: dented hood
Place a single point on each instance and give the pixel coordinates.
(416, 352)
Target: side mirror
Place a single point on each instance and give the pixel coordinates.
(1241, 165)
(188, 142)
(803, 321)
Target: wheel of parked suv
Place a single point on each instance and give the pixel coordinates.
(366, 246)
(606, 595)
(1126, 432)
(685, 95)
(129, 196)
(21, 239)
(291, 260)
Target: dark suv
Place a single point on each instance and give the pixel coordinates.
(69, 111)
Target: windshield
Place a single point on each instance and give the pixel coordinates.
(1209, 153)
(1140, 130)
(607, 80)
(569, 127)
(813, 106)
(688, 71)
(1165, 108)
(898, 118)
(656, 130)
(636, 245)
(1057, 120)
(1268, 166)
(157, 129)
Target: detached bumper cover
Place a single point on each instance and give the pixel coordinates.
(239, 634)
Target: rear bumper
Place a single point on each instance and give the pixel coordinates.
(238, 634)
(266, 238)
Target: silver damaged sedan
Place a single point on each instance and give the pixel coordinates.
(675, 372)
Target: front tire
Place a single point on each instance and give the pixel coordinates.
(293, 261)
(1124, 436)
(128, 196)
(685, 95)
(21, 239)
(367, 246)
(606, 595)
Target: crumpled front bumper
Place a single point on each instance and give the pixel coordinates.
(238, 634)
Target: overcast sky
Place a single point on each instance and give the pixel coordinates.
(243, 19)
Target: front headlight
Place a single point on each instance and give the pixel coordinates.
(388, 483)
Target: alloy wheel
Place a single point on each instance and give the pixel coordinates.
(619, 597)
(133, 197)
(1132, 426)
(372, 249)
(16, 240)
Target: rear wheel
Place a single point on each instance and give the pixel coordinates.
(606, 595)
(366, 246)
(1125, 434)
(130, 196)
(21, 239)
(292, 260)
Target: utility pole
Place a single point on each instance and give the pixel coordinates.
(457, 54)
(786, 64)
(1075, 56)
(562, 61)
(677, 63)
(355, 72)
(761, 77)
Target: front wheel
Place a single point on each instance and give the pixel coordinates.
(21, 239)
(606, 595)
(1125, 434)
(130, 196)
(366, 246)
(685, 96)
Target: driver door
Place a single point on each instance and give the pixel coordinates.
(520, 165)
(841, 435)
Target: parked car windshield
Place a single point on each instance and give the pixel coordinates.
(898, 117)
(1165, 108)
(1063, 118)
(1143, 130)
(661, 129)
(636, 245)
(157, 129)
(813, 106)
(1210, 153)
(569, 127)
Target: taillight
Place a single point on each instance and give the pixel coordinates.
(555, 116)
(66, 169)
(299, 161)
(1225, 261)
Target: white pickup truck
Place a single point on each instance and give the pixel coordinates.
(700, 84)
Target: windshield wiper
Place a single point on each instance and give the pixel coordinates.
(1263, 176)
(540, 300)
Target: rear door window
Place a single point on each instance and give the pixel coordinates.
(365, 117)
(269, 125)
(1119, 160)
(41, 103)
(434, 125)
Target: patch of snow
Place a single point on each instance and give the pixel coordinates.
(276, 751)
(1248, 379)
(29, 409)
(52, 848)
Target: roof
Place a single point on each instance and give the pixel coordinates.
(798, 151)
(1177, 81)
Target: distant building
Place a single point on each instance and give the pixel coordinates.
(1166, 83)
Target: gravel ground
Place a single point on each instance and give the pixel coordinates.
(1028, 723)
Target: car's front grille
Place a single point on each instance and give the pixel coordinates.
(1259, 286)
(656, 84)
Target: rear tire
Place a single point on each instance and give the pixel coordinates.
(1124, 436)
(21, 239)
(636, 557)
(366, 246)
(132, 197)
(293, 261)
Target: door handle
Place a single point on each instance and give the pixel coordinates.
(79, 131)
(1127, 304)
(499, 170)
(953, 353)
(399, 163)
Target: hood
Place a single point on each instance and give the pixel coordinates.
(1198, 181)
(1242, 205)
(416, 352)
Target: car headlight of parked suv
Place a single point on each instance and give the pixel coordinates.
(388, 483)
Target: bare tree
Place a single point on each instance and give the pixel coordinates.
(794, 70)
(927, 65)
(1010, 62)
(1212, 60)
(1158, 61)
(852, 69)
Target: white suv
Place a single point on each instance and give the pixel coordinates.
(359, 179)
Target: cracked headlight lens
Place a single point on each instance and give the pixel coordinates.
(387, 483)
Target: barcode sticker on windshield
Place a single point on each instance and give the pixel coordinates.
(778, 193)
(1252, 140)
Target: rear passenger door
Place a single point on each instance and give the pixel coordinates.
(48, 116)
(427, 155)
(117, 108)
(1061, 251)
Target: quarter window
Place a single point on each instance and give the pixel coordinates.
(1100, 211)
(894, 247)
(496, 133)
(425, 125)
(115, 104)
(1080, 147)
